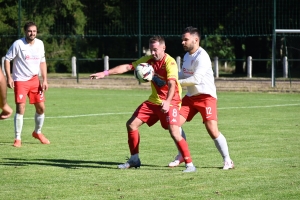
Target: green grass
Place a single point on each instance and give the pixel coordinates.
(88, 139)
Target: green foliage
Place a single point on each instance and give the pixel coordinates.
(219, 46)
(9, 14)
(89, 29)
(46, 14)
(59, 53)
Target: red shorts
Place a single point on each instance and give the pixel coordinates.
(203, 103)
(150, 113)
(31, 88)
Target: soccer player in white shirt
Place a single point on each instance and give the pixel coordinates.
(28, 55)
(201, 97)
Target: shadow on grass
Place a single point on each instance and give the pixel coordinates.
(64, 163)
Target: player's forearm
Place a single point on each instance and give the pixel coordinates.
(120, 69)
(196, 79)
(171, 91)
(7, 68)
(2, 90)
(43, 67)
(180, 75)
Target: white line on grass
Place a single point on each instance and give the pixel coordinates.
(126, 113)
(297, 100)
(270, 106)
(87, 115)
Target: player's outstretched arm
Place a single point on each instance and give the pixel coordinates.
(120, 69)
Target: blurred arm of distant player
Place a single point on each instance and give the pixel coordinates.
(120, 69)
(43, 67)
(6, 109)
(10, 82)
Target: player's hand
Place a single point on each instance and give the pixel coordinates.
(97, 75)
(10, 83)
(165, 106)
(44, 86)
(6, 112)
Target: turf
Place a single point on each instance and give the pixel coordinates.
(88, 137)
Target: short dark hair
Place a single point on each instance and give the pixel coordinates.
(192, 31)
(28, 24)
(157, 38)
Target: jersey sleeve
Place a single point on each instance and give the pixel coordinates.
(12, 51)
(143, 59)
(43, 58)
(172, 74)
(172, 69)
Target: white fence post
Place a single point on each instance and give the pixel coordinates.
(249, 67)
(285, 67)
(73, 66)
(106, 64)
(216, 64)
(178, 61)
(2, 64)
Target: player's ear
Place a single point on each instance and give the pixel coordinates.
(196, 39)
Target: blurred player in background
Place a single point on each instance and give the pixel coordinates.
(163, 104)
(6, 109)
(201, 95)
(28, 55)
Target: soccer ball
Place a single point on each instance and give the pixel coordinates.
(144, 72)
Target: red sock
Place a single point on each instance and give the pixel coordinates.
(184, 150)
(133, 141)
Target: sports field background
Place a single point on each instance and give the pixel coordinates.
(88, 137)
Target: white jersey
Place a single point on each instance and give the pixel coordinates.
(26, 58)
(197, 74)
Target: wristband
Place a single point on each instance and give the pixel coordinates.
(106, 73)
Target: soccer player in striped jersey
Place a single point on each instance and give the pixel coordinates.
(162, 105)
(201, 97)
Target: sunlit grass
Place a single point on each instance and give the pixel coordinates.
(89, 139)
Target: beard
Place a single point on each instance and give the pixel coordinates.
(156, 58)
(30, 38)
(188, 48)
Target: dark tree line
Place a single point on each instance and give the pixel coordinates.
(231, 29)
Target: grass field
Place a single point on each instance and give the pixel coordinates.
(88, 140)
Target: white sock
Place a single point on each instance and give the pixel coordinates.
(222, 147)
(39, 121)
(189, 164)
(134, 157)
(18, 122)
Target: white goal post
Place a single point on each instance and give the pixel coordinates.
(274, 48)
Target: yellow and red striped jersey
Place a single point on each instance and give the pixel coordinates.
(165, 69)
